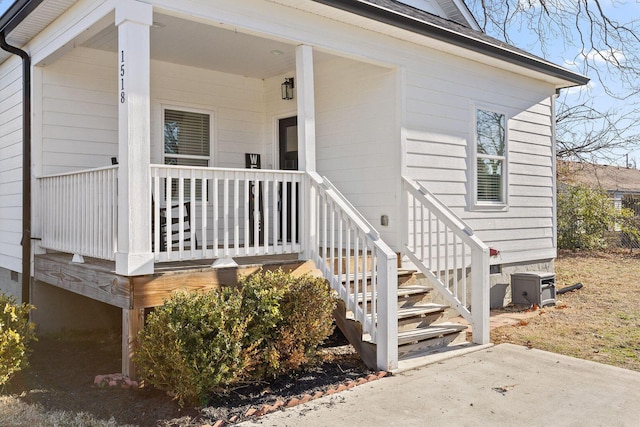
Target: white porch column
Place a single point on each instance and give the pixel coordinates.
(134, 256)
(306, 109)
(307, 145)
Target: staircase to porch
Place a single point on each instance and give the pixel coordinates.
(422, 323)
(387, 313)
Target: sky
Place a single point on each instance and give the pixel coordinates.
(4, 5)
(568, 56)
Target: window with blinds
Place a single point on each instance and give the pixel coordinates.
(490, 143)
(187, 142)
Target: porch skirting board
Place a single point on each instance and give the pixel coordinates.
(97, 279)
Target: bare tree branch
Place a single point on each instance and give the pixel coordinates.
(584, 132)
(604, 48)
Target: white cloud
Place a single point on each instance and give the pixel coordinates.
(528, 4)
(612, 56)
(579, 90)
(575, 65)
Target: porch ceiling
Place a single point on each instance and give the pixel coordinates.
(180, 41)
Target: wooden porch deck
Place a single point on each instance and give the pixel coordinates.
(97, 279)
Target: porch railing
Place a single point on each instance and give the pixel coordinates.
(200, 212)
(357, 263)
(450, 255)
(79, 212)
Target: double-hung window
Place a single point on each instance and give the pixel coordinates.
(187, 142)
(491, 139)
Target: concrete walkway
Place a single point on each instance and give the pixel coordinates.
(505, 385)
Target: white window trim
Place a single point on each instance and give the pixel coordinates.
(473, 155)
(212, 127)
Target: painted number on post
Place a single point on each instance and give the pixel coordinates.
(122, 93)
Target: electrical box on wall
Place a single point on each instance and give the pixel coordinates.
(533, 287)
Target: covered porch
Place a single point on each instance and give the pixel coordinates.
(182, 120)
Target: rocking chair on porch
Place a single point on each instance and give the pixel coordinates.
(175, 227)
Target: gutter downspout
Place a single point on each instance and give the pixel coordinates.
(26, 164)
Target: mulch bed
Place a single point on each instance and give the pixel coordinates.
(62, 372)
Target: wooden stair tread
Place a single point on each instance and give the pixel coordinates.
(413, 289)
(415, 317)
(367, 275)
(413, 311)
(418, 310)
(428, 332)
(403, 291)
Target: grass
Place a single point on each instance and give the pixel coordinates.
(16, 413)
(600, 322)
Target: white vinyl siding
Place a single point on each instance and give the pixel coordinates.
(236, 104)
(11, 165)
(79, 112)
(441, 99)
(355, 134)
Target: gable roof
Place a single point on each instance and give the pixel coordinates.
(605, 177)
(455, 10)
(458, 11)
(418, 21)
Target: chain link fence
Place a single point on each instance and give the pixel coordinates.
(621, 239)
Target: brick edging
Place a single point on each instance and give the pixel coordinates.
(114, 380)
(295, 401)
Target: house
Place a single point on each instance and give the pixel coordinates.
(622, 184)
(149, 146)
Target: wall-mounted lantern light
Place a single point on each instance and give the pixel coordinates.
(287, 88)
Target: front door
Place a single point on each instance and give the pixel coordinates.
(288, 143)
(288, 156)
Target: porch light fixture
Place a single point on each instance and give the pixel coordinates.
(287, 88)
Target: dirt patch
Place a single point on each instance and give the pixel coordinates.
(600, 322)
(61, 375)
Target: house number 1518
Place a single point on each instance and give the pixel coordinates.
(122, 93)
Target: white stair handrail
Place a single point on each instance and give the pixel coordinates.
(328, 185)
(447, 257)
(432, 201)
(341, 238)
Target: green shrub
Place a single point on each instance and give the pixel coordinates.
(192, 345)
(16, 332)
(288, 338)
(201, 343)
(585, 215)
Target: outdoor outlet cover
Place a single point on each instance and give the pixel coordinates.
(384, 220)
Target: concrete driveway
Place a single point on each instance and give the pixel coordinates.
(505, 385)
